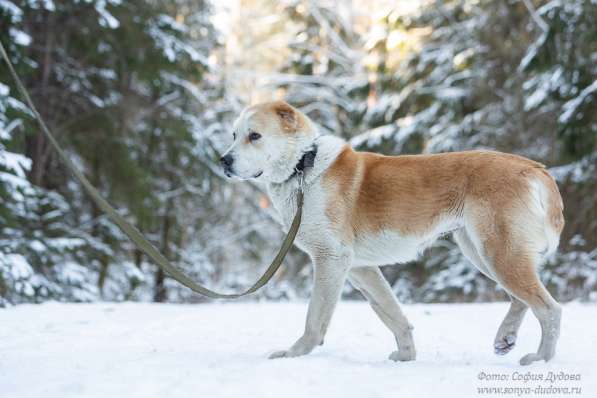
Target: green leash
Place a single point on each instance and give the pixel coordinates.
(136, 236)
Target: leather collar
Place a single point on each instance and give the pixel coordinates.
(305, 162)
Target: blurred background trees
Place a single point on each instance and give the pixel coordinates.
(142, 94)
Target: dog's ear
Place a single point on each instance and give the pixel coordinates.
(288, 115)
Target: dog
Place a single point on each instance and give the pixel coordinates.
(363, 210)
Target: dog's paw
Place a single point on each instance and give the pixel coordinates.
(291, 353)
(303, 346)
(530, 358)
(279, 354)
(505, 344)
(403, 355)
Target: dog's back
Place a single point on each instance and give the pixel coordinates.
(413, 194)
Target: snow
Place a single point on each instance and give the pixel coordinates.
(571, 107)
(49, 5)
(220, 350)
(172, 45)
(532, 52)
(19, 37)
(65, 243)
(4, 90)
(106, 19)
(18, 265)
(11, 9)
(579, 171)
(16, 162)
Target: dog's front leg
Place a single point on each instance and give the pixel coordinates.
(329, 277)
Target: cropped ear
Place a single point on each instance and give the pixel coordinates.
(289, 117)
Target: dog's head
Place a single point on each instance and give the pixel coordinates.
(269, 140)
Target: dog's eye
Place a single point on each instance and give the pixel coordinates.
(253, 136)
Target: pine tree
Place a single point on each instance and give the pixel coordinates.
(121, 84)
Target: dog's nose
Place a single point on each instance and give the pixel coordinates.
(226, 160)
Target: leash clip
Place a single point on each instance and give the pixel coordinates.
(301, 180)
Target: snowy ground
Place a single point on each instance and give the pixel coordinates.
(219, 350)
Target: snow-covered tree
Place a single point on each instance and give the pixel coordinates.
(142, 94)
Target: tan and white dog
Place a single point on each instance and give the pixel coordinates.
(362, 210)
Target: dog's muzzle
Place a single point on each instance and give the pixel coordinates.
(226, 162)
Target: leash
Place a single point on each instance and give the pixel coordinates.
(133, 233)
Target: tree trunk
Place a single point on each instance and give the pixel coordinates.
(160, 294)
(37, 148)
(96, 213)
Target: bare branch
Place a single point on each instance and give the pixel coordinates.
(535, 15)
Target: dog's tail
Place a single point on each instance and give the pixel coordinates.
(550, 204)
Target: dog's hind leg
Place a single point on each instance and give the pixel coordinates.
(470, 252)
(510, 251)
(507, 333)
(376, 289)
(523, 283)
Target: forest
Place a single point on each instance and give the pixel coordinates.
(142, 95)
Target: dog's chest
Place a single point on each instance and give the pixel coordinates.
(314, 222)
(284, 199)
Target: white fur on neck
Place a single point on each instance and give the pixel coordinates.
(283, 195)
(328, 149)
(284, 166)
